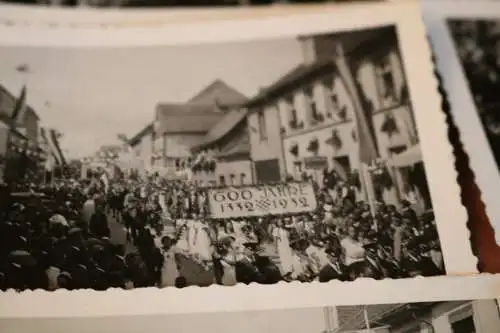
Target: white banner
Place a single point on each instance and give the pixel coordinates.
(261, 200)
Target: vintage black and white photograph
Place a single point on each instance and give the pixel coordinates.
(293, 159)
(467, 316)
(465, 40)
(478, 47)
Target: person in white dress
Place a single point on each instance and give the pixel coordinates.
(282, 241)
(200, 244)
(170, 270)
(182, 243)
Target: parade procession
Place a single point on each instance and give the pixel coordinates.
(314, 178)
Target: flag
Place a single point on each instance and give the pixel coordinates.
(20, 107)
(367, 148)
(50, 138)
(54, 139)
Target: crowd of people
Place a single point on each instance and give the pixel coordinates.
(139, 233)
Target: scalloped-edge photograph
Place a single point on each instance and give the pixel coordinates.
(465, 38)
(427, 315)
(315, 150)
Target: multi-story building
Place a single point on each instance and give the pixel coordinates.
(226, 151)
(479, 316)
(307, 121)
(178, 127)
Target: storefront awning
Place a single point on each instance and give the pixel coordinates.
(409, 157)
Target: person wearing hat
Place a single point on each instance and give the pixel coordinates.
(334, 269)
(246, 270)
(374, 268)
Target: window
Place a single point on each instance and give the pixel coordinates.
(462, 320)
(232, 178)
(385, 79)
(242, 178)
(342, 162)
(292, 115)
(262, 126)
(315, 116)
(222, 180)
(334, 109)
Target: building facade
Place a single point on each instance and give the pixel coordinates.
(306, 122)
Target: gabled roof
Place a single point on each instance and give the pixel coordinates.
(297, 73)
(240, 147)
(187, 118)
(142, 133)
(352, 42)
(230, 120)
(351, 317)
(218, 92)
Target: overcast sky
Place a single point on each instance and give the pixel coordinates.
(94, 94)
(273, 321)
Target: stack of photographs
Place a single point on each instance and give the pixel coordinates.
(269, 160)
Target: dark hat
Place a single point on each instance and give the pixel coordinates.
(65, 275)
(333, 251)
(371, 245)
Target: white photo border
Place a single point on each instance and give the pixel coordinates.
(450, 214)
(463, 108)
(149, 301)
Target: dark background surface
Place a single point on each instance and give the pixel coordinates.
(173, 3)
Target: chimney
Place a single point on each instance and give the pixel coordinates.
(308, 46)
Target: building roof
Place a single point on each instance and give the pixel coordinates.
(230, 120)
(351, 317)
(350, 41)
(218, 92)
(237, 148)
(142, 133)
(187, 118)
(297, 73)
